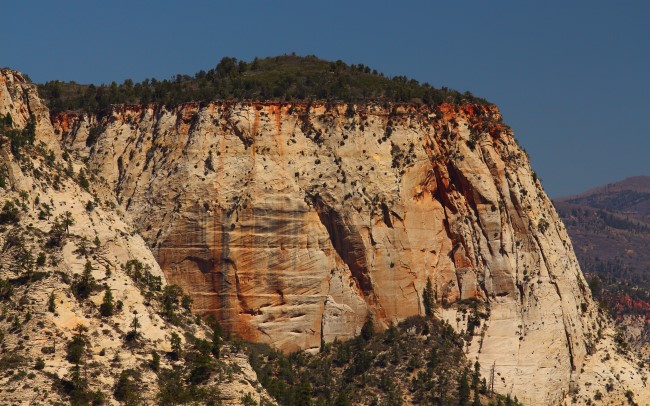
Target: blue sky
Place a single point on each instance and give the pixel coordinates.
(572, 78)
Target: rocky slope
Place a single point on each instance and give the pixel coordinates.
(54, 277)
(295, 223)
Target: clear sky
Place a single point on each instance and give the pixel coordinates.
(571, 77)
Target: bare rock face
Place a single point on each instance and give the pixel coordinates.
(294, 223)
(20, 99)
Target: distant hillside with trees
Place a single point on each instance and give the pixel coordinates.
(280, 78)
(610, 230)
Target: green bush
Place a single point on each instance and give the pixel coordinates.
(41, 259)
(127, 388)
(9, 213)
(76, 348)
(40, 364)
(107, 307)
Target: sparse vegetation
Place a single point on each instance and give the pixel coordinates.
(386, 365)
(19, 137)
(542, 226)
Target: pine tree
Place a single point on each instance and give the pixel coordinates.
(176, 345)
(83, 287)
(368, 329)
(51, 303)
(135, 324)
(155, 361)
(303, 393)
(217, 334)
(476, 376)
(107, 306)
(463, 390)
(67, 221)
(476, 401)
(427, 299)
(342, 400)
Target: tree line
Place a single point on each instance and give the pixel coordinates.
(281, 78)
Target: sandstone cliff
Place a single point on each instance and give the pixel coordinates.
(294, 223)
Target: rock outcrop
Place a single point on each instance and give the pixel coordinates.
(294, 223)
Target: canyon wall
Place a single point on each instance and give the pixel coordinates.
(295, 223)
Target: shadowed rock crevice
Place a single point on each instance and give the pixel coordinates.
(349, 245)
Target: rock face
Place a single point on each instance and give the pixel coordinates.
(294, 223)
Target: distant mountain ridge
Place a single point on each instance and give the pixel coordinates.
(610, 229)
(630, 196)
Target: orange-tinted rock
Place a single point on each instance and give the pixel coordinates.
(294, 223)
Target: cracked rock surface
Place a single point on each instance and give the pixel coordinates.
(293, 223)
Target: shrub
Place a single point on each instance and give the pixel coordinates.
(127, 388)
(41, 259)
(51, 303)
(542, 226)
(40, 364)
(248, 400)
(9, 213)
